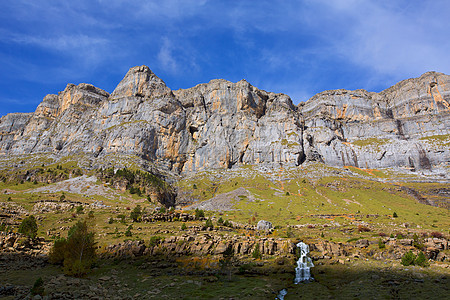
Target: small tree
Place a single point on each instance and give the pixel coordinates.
(395, 215)
(183, 226)
(77, 252)
(79, 209)
(421, 260)
(381, 245)
(28, 227)
(128, 231)
(199, 214)
(408, 258)
(220, 221)
(226, 263)
(136, 214)
(256, 252)
(209, 223)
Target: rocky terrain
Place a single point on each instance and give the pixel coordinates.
(221, 124)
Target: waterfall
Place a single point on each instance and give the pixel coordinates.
(304, 263)
(302, 271)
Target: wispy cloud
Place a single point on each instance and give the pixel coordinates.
(165, 56)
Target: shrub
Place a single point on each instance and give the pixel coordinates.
(128, 231)
(227, 224)
(38, 287)
(220, 221)
(111, 220)
(183, 226)
(79, 209)
(288, 194)
(421, 260)
(256, 254)
(436, 234)
(408, 258)
(395, 215)
(209, 223)
(28, 227)
(199, 213)
(62, 197)
(122, 218)
(194, 186)
(381, 245)
(77, 252)
(162, 210)
(154, 240)
(136, 214)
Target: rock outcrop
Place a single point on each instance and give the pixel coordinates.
(221, 124)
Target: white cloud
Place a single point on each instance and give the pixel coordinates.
(166, 58)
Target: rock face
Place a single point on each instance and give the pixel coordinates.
(222, 124)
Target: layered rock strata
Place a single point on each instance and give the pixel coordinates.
(221, 124)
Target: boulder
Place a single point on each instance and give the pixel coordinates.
(264, 225)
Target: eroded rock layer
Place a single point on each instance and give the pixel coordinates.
(221, 124)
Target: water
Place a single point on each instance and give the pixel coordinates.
(303, 269)
(304, 264)
(281, 294)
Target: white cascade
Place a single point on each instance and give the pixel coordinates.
(304, 264)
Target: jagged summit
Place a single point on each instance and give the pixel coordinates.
(140, 82)
(221, 124)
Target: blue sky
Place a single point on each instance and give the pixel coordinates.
(298, 47)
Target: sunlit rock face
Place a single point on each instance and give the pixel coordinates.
(222, 124)
(386, 129)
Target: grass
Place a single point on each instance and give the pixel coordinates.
(370, 142)
(441, 139)
(332, 204)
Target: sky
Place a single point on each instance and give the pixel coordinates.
(299, 48)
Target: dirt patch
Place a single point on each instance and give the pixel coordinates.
(79, 185)
(222, 202)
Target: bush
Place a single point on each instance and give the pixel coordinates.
(199, 213)
(154, 240)
(128, 231)
(381, 245)
(220, 221)
(436, 234)
(28, 227)
(38, 287)
(77, 252)
(421, 260)
(408, 258)
(136, 214)
(256, 252)
(79, 209)
(122, 218)
(183, 226)
(209, 223)
(395, 215)
(162, 210)
(111, 220)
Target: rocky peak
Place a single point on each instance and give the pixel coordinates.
(221, 124)
(141, 82)
(83, 94)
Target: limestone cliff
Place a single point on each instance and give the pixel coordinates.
(221, 124)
